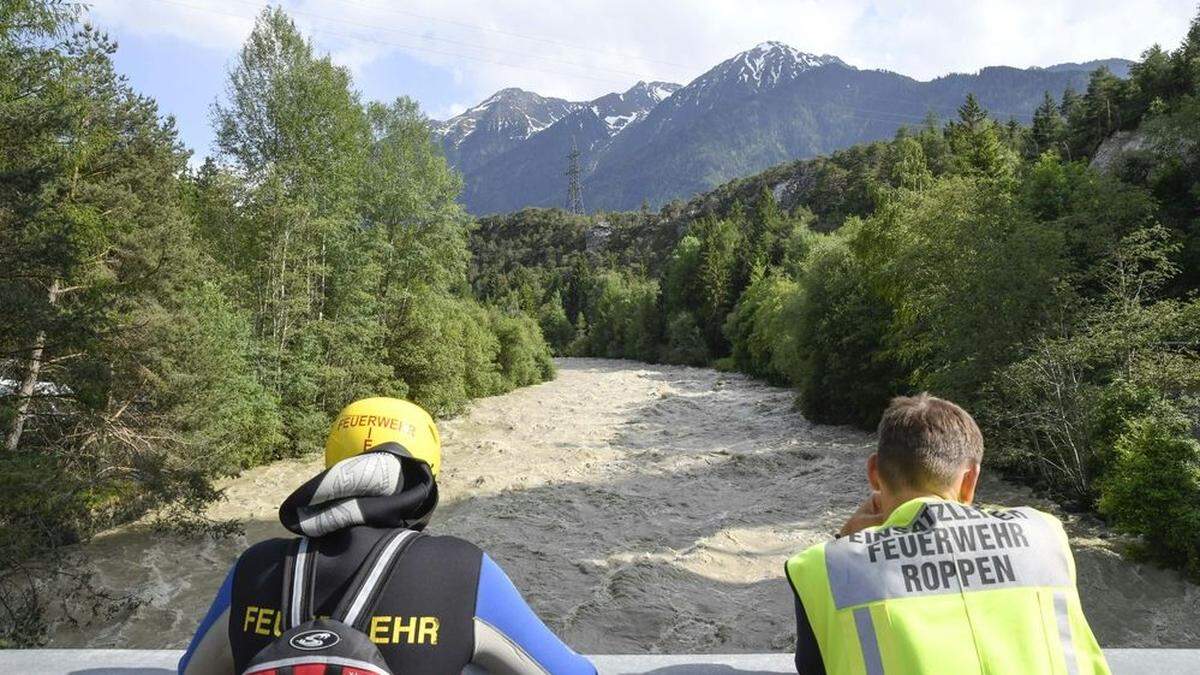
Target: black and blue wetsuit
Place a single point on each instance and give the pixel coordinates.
(446, 605)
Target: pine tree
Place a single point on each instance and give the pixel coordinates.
(971, 116)
(1186, 62)
(1046, 134)
(975, 141)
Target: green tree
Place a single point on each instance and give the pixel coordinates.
(837, 325)
(291, 128)
(681, 276)
(756, 327)
(970, 277)
(719, 242)
(133, 371)
(908, 169)
(976, 143)
(1047, 132)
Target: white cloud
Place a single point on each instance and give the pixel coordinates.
(450, 110)
(217, 25)
(583, 48)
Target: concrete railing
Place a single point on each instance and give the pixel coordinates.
(162, 662)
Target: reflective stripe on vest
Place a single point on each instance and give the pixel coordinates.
(943, 587)
(1063, 618)
(867, 641)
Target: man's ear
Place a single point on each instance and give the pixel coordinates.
(970, 480)
(873, 472)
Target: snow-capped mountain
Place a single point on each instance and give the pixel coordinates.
(533, 167)
(766, 66)
(659, 141)
(498, 124)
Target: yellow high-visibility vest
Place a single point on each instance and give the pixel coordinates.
(942, 587)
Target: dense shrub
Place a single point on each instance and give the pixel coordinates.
(623, 316)
(838, 360)
(555, 326)
(758, 326)
(684, 343)
(1153, 487)
(969, 275)
(524, 357)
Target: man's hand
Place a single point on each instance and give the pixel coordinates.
(869, 514)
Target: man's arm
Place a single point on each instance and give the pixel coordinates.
(510, 639)
(210, 651)
(808, 653)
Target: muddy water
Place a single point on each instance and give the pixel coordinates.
(640, 508)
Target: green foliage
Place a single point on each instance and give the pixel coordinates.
(757, 327)
(624, 318)
(837, 358)
(1048, 133)
(970, 277)
(1173, 176)
(1153, 487)
(717, 257)
(1059, 410)
(684, 341)
(986, 262)
(681, 288)
(524, 357)
(164, 328)
(555, 326)
(977, 144)
(296, 136)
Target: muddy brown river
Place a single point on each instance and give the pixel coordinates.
(640, 509)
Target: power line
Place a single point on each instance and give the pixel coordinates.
(865, 113)
(362, 38)
(523, 36)
(420, 36)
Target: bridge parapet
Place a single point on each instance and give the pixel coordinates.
(162, 662)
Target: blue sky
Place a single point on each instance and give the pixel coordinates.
(449, 55)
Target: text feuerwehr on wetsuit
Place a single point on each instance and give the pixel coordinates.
(382, 629)
(948, 548)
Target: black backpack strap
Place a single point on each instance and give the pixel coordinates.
(299, 572)
(359, 600)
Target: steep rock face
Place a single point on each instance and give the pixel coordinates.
(658, 141)
(1115, 148)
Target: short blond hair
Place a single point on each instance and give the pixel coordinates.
(924, 441)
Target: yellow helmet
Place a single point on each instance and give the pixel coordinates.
(369, 422)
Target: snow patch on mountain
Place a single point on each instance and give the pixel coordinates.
(765, 66)
(661, 90)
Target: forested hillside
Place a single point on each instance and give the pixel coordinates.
(164, 327)
(987, 262)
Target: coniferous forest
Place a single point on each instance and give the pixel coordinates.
(167, 324)
(164, 326)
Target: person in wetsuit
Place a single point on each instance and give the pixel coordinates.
(446, 605)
